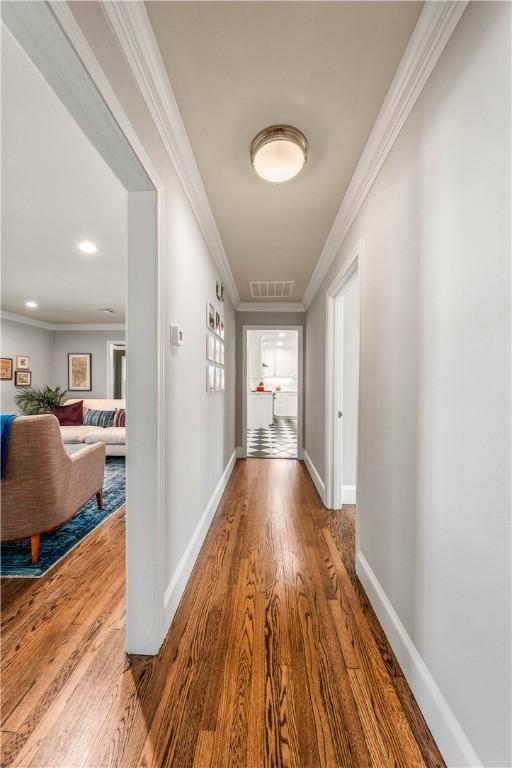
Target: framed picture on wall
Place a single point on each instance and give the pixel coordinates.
(6, 368)
(221, 332)
(210, 316)
(23, 378)
(210, 346)
(79, 371)
(217, 350)
(222, 379)
(221, 350)
(22, 362)
(210, 378)
(217, 323)
(217, 378)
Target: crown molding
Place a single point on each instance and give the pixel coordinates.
(271, 306)
(13, 317)
(427, 42)
(133, 31)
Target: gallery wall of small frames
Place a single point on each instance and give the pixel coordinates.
(215, 376)
(22, 374)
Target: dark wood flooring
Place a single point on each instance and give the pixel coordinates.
(274, 658)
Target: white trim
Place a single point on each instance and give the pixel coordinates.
(300, 381)
(111, 345)
(348, 494)
(315, 476)
(353, 265)
(133, 31)
(239, 452)
(426, 44)
(184, 568)
(14, 318)
(446, 729)
(271, 306)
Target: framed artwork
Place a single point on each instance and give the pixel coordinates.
(210, 316)
(221, 351)
(23, 378)
(217, 323)
(222, 379)
(210, 378)
(79, 371)
(217, 350)
(221, 333)
(22, 362)
(217, 378)
(210, 346)
(6, 368)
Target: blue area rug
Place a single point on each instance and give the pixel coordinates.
(15, 558)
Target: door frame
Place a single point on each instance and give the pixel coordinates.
(53, 40)
(300, 385)
(111, 346)
(333, 372)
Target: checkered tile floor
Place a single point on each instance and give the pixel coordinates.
(279, 441)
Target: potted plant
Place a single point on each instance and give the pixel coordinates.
(34, 401)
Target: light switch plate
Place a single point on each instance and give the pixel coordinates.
(176, 336)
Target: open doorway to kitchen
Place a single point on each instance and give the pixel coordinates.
(272, 392)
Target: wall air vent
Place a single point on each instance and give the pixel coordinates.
(271, 289)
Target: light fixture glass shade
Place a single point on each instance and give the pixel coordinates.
(279, 153)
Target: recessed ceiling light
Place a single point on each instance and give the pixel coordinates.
(87, 247)
(282, 335)
(279, 343)
(278, 153)
(31, 304)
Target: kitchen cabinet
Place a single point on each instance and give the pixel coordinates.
(260, 410)
(285, 404)
(280, 362)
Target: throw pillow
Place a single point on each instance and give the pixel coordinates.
(98, 418)
(70, 415)
(119, 418)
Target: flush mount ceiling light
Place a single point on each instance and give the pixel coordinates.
(87, 247)
(278, 153)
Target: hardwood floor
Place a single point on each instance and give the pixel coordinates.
(274, 658)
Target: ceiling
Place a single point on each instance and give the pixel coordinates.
(284, 338)
(57, 191)
(237, 67)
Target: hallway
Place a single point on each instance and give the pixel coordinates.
(274, 657)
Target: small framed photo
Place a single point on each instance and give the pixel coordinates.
(222, 379)
(23, 378)
(6, 368)
(217, 350)
(79, 371)
(210, 346)
(22, 362)
(217, 378)
(217, 323)
(221, 350)
(221, 333)
(210, 316)
(210, 378)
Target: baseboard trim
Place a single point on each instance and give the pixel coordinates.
(181, 575)
(446, 729)
(315, 476)
(348, 494)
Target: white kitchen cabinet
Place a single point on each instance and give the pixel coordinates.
(268, 361)
(285, 404)
(285, 362)
(260, 410)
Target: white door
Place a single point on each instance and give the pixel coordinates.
(346, 389)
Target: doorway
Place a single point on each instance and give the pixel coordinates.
(116, 369)
(272, 392)
(342, 380)
(53, 41)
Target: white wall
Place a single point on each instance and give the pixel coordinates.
(94, 342)
(350, 384)
(434, 453)
(20, 339)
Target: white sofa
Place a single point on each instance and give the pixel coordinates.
(114, 438)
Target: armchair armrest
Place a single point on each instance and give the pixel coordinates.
(87, 471)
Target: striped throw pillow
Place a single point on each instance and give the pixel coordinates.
(98, 418)
(119, 418)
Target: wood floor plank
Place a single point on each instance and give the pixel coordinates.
(274, 658)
